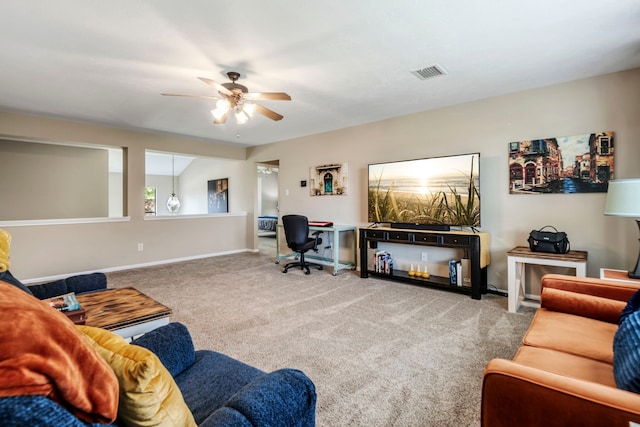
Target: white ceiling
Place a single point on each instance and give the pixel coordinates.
(344, 63)
(157, 163)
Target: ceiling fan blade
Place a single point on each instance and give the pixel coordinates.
(217, 86)
(268, 96)
(222, 119)
(268, 113)
(191, 96)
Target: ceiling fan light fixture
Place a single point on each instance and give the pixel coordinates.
(218, 113)
(237, 98)
(249, 108)
(241, 117)
(223, 105)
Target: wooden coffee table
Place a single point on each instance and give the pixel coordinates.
(124, 311)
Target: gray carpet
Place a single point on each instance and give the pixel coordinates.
(381, 353)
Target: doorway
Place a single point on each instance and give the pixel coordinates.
(268, 210)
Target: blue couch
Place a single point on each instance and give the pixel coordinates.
(219, 390)
(80, 284)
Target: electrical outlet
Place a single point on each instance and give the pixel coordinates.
(140, 246)
(425, 256)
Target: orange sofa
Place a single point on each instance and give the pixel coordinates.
(562, 375)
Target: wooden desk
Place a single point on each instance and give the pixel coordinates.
(333, 231)
(519, 256)
(124, 311)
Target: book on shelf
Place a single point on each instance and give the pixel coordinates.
(466, 272)
(453, 272)
(66, 302)
(371, 259)
(383, 262)
(460, 272)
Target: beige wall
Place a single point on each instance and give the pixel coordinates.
(60, 249)
(607, 102)
(268, 185)
(194, 184)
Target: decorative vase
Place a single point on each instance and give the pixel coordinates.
(411, 271)
(418, 272)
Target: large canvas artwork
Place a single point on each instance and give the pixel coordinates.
(218, 195)
(571, 164)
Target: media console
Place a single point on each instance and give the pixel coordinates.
(475, 244)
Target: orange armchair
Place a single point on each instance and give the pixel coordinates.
(562, 375)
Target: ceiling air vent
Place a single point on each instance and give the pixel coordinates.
(429, 72)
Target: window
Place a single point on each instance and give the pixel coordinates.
(49, 181)
(150, 201)
(188, 177)
(604, 145)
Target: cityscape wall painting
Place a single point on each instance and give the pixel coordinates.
(218, 196)
(570, 164)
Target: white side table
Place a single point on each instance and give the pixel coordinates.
(518, 257)
(617, 276)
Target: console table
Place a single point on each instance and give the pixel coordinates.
(335, 231)
(475, 244)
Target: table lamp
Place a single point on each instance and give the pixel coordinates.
(623, 199)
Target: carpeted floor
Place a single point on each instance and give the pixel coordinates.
(381, 353)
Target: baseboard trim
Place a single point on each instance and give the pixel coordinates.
(132, 266)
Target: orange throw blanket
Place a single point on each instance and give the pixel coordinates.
(42, 353)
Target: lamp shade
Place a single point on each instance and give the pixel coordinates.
(623, 198)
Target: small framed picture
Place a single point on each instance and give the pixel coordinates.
(218, 195)
(303, 183)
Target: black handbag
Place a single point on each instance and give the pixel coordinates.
(555, 242)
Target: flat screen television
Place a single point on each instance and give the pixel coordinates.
(437, 191)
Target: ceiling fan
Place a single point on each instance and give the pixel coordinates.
(236, 98)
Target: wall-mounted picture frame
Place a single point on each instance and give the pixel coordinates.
(329, 180)
(218, 196)
(570, 164)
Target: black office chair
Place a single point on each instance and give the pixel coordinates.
(296, 231)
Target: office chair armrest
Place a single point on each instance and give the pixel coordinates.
(316, 234)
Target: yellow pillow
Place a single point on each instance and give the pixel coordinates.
(5, 243)
(148, 394)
